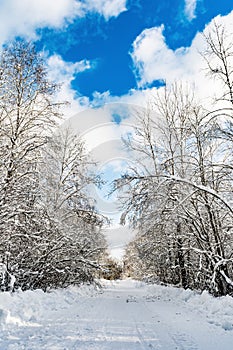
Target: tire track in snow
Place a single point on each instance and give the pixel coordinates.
(183, 342)
(170, 338)
(123, 317)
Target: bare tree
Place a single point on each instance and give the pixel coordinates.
(49, 230)
(219, 66)
(182, 209)
(27, 113)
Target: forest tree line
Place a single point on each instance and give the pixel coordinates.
(50, 232)
(179, 197)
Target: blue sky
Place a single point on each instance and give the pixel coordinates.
(112, 55)
(107, 43)
(94, 46)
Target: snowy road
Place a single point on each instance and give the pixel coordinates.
(126, 315)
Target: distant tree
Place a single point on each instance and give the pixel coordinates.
(111, 269)
(65, 177)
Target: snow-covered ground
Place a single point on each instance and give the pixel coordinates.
(125, 315)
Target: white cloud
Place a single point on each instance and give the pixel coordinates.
(152, 56)
(190, 7)
(118, 237)
(108, 8)
(24, 17)
(63, 73)
(103, 138)
(61, 70)
(154, 60)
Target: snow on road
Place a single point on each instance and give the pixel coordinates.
(124, 315)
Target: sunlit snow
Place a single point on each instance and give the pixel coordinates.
(124, 315)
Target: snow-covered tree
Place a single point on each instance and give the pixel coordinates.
(66, 173)
(178, 197)
(49, 231)
(27, 113)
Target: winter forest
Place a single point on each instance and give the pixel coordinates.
(178, 198)
(50, 231)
